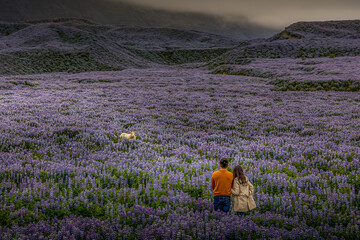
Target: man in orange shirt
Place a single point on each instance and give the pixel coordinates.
(221, 183)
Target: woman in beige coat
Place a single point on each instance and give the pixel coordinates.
(242, 192)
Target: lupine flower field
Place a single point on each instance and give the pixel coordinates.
(66, 174)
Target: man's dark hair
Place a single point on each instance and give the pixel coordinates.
(224, 162)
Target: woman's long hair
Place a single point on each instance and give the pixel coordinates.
(239, 174)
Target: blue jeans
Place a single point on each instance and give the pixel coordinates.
(222, 203)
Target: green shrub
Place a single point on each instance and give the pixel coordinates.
(5, 220)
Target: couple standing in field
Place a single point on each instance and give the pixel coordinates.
(225, 183)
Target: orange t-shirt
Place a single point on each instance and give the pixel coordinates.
(221, 182)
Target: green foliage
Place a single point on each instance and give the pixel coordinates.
(226, 70)
(195, 191)
(27, 83)
(48, 60)
(95, 211)
(330, 85)
(129, 125)
(67, 132)
(5, 220)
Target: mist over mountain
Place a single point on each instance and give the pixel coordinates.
(121, 13)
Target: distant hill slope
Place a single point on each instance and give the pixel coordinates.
(348, 29)
(107, 12)
(75, 45)
(302, 39)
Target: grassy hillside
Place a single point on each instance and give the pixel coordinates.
(75, 45)
(302, 39)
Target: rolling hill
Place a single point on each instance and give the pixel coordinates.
(80, 45)
(302, 39)
(76, 45)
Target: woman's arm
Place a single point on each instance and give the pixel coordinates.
(235, 190)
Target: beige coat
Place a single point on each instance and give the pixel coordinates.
(242, 196)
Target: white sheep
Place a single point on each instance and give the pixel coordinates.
(128, 136)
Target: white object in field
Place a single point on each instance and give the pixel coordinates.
(130, 135)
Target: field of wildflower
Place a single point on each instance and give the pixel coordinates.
(66, 174)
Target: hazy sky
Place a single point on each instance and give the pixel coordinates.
(275, 13)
